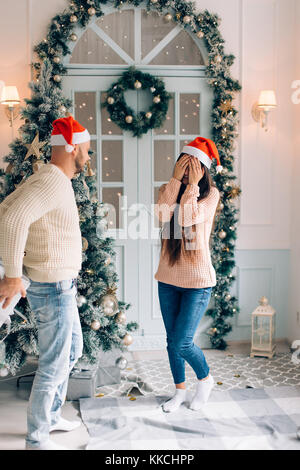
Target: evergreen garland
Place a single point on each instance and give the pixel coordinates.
(224, 120)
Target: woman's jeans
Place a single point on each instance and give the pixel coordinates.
(60, 346)
(182, 309)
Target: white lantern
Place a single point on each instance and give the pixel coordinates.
(263, 330)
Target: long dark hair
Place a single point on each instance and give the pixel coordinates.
(175, 242)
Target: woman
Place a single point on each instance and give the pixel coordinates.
(186, 206)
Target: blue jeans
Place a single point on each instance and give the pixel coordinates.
(60, 346)
(182, 309)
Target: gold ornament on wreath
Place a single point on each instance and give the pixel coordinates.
(85, 244)
(128, 339)
(95, 325)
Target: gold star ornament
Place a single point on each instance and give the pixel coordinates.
(34, 147)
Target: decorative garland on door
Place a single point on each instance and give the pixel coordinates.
(124, 116)
(224, 119)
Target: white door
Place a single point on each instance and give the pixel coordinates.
(136, 167)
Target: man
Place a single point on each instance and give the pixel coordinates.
(40, 233)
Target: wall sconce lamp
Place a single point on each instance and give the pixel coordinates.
(262, 107)
(11, 100)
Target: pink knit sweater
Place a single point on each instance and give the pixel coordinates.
(185, 273)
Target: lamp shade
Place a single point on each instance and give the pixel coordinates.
(267, 99)
(10, 96)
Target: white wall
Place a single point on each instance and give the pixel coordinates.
(294, 298)
(262, 35)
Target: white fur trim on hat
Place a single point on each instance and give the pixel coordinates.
(202, 156)
(78, 138)
(69, 148)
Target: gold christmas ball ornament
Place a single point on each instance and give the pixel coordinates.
(85, 244)
(110, 305)
(227, 297)
(148, 115)
(168, 17)
(110, 100)
(200, 34)
(221, 206)
(199, 19)
(154, 1)
(91, 11)
(137, 84)
(73, 19)
(73, 37)
(178, 16)
(62, 109)
(222, 234)
(156, 99)
(129, 119)
(186, 19)
(56, 60)
(128, 339)
(218, 59)
(90, 271)
(57, 78)
(121, 318)
(95, 325)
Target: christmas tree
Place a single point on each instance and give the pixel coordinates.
(102, 315)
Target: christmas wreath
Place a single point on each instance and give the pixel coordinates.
(124, 116)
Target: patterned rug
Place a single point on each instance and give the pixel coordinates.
(236, 419)
(230, 371)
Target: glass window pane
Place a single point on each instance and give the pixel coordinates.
(168, 126)
(85, 110)
(120, 27)
(91, 49)
(154, 29)
(182, 50)
(94, 165)
(163, 159)
(112, 196)
(112, 160)
(189, 113)
(108, 127)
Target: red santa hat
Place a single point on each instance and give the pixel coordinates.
(205, 150)
(67, 131)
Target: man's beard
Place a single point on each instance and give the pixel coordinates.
(79, 167)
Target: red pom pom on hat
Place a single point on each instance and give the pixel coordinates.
(67, 131)
(205, 150)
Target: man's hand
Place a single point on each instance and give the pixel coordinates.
(9, 287)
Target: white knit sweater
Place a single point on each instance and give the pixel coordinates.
(191, 212)
(39, 228)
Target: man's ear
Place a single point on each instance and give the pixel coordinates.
(75, 151)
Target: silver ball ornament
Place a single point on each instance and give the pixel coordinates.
(121, 362)
(81, 300)
(62, 109)
(121, 318)
(4, 371)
